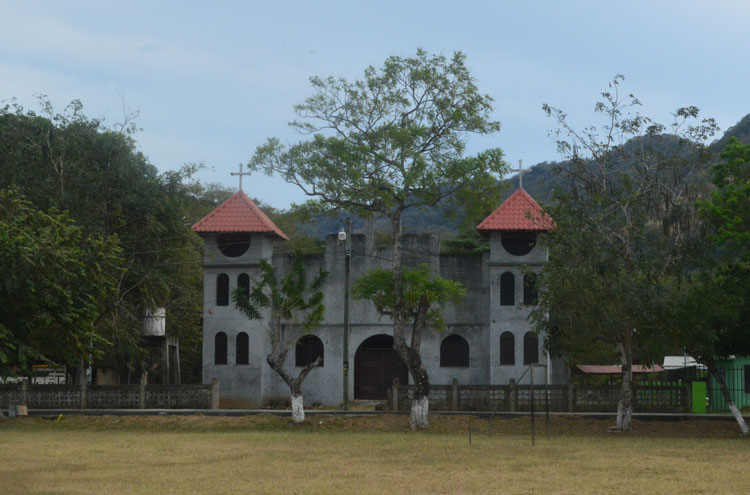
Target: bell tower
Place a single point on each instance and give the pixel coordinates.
(517, 254)
(237, 235)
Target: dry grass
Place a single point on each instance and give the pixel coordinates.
(265, 454)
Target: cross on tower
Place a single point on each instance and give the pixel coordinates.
(240, 173)
(520, 173)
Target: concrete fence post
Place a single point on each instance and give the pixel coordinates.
(513, 402)
(214, 393)
(142, 390)
(454, 395)
(395, 394)
(571, 396)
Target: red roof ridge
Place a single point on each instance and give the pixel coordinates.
(518, 212)
(237, 214)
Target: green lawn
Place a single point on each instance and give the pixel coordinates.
(122, 455)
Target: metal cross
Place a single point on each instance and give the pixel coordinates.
(520, 173)
(240, 173)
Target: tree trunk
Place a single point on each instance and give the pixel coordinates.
(420, 406)
(298, 409)
(276, 362)
(728, 399)
(625, 405)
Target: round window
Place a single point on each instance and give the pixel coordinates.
(519, 243)
(233, 245)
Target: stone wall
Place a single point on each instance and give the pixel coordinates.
(110, 397)
(674, 398)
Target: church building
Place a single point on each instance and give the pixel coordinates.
(488, 339)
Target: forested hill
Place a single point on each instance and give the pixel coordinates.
(539, 181)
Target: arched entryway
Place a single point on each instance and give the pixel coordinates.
(376, 364)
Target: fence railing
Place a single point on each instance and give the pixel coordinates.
(111, 397)
(665, 397)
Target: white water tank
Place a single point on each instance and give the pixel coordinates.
(154, 323)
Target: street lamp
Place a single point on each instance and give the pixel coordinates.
(345, 236)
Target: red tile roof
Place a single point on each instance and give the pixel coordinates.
(518, 212)
(237, 214)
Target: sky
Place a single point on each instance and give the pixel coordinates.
(211, 81)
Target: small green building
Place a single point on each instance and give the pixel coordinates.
(736, 373)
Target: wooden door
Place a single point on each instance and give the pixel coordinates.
(374, 372)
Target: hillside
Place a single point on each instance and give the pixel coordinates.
(539, 181)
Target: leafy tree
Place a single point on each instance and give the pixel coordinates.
(712, 303)
(389, 142)
(53, 281)
(94, 172)
(623, 220)
(293, 303)
(424, 296)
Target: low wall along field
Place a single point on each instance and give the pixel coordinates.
(110, 397)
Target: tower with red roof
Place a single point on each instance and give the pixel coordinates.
(236, 236)
(517, 254)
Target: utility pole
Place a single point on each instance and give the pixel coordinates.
(347, 271)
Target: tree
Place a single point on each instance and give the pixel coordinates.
(73, 163)
(712, 302)
(424, 295)
(293, 303)
(391, 141)
(54, 279)
(624, 213)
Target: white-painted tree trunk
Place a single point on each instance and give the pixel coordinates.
(420, 410)
(624, 415)
(298, 409)
(738, 417)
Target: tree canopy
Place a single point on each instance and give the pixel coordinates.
(66, 161)
(54, 279)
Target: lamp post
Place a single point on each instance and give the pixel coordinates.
(346, 237)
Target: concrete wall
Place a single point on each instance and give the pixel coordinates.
(479, 318)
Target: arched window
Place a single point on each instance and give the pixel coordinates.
(243, 349)
(308, 348)
(530, 295)
(220, 348)
(507, 289)
(530, 348)
(454, 352)
(243, 282)
(507, 348)
(222, 290)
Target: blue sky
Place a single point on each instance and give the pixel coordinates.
(213, 80)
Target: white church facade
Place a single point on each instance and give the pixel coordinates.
(488, 339)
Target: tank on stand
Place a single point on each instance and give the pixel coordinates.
(154, 334)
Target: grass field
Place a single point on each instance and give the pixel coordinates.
(266, 454)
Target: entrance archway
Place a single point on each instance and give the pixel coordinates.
(376, 364)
